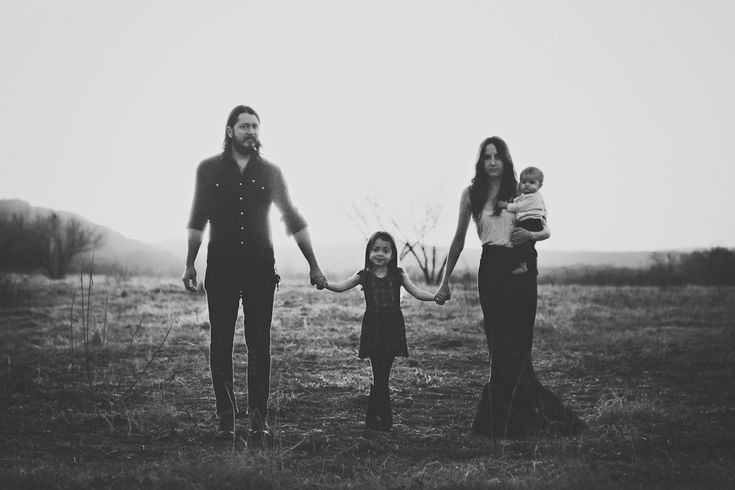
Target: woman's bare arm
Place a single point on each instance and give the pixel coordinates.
(521, 235)
(455, 249)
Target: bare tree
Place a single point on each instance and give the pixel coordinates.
(664, 268)
(57, 241)
(15, 252)
(411, 236)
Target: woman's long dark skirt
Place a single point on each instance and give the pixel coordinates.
(514, 403)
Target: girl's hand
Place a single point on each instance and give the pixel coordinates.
(520, 236)
(442, 295)
(501, 204)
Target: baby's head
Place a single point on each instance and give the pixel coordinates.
(531, 180)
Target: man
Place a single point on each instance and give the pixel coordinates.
(234, 191)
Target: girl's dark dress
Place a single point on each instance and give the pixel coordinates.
(383, 329)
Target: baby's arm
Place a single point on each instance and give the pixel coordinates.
(520, 204)
(527, 203)
(348, 283)
(414, 290)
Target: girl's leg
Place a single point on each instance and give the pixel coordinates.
(381, 366)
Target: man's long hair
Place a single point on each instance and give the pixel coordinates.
(231, 120)
(481, 182)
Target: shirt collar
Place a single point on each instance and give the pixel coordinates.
(255, 160)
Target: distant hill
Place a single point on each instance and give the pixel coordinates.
(554, 258)
(346, 257)
(136, 256)
(167, 258)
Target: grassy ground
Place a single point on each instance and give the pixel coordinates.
(650, 370)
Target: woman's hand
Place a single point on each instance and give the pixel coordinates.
(316, 278)
(443, 294)
(520, 236)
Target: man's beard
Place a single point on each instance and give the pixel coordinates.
(251, 146)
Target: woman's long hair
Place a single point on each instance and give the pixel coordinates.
(383, 235)
(481, 182)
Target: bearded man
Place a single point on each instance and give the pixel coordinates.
(233, 193)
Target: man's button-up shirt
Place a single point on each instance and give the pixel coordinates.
(237, 206)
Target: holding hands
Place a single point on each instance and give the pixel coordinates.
(317, 278)
(442, 294)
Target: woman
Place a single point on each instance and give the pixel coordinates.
(513, 403)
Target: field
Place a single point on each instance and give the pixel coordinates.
(125, 405)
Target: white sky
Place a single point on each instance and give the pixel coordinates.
(628, 107)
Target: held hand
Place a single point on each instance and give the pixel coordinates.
(501, 204)
(520, 236)
(190, 279)
(442, 295)
(316, 278)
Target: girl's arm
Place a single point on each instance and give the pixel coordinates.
(457, 245)
(348, 283)
(414, 290)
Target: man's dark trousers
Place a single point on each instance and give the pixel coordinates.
(225, 287)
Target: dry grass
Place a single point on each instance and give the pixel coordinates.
(650, 370)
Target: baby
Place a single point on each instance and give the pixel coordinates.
(530, 213)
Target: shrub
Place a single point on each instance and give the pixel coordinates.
(13, 289)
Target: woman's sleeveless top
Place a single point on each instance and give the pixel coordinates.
(495, 229)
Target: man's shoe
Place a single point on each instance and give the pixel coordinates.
(225, 428)
(261, 437)
(259, 433)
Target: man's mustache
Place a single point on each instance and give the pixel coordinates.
(251, 140)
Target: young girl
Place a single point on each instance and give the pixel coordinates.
(383, 335)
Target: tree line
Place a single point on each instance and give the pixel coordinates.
(710, 267)
(48, 244)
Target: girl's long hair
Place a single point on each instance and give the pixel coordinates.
(384, 235)
(481, 182)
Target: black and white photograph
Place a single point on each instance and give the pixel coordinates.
(332, 244)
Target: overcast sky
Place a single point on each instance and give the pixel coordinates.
(628, 106)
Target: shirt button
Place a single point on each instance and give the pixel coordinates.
(242, 243)
(242, 227)
(240, 184)
(241, 198)
(242, 212)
